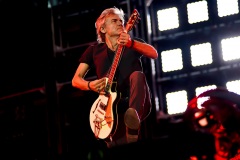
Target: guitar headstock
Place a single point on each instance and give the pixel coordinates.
(132, 20)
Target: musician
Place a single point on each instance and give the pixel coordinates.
(131, 83)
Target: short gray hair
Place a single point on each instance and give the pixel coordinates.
(101, 20)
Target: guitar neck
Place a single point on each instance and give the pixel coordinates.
(116, 60)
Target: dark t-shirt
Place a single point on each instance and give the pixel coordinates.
(100, 57)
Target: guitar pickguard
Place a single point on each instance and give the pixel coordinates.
(101, 116)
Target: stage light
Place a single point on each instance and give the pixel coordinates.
(200, 90)
(153, 67)
(149, 24)
(176, 102)
(171, 60)
(168, 19)
(227, 7)
(197, 12)
(231, 48)
(157, 103)
(201, 54)
(234, 86)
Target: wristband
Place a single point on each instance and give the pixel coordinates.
(132, 43)
(89, 86)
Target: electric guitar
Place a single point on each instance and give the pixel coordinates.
(103, 114)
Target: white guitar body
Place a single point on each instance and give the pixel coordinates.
(102, 116)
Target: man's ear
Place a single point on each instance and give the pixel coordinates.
(102, 29)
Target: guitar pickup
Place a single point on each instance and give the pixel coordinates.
(102, 106)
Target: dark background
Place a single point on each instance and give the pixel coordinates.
(42, 116)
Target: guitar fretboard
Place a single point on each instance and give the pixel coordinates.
(115, 64)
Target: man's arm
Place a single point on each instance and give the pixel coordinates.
(145, 49)
(78, 80)
(142, 47)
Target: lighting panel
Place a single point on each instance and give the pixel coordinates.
(234, 86)
(231, 48)
(227, 7)
(171, 60)
(197, 12)
(167, 19)
(201, 54)
(176, 102)
(200, 90)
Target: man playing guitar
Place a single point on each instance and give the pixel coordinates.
(131, 84)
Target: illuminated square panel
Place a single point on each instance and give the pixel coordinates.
(176, 102)
(201, 54)
(171, 60)
(197, 12)
(168, 19)
(227, 7)
(234, 86)
(200, 90)
(231, 48)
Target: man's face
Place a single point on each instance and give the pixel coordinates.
(113, 25)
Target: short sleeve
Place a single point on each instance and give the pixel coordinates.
(87, 56)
